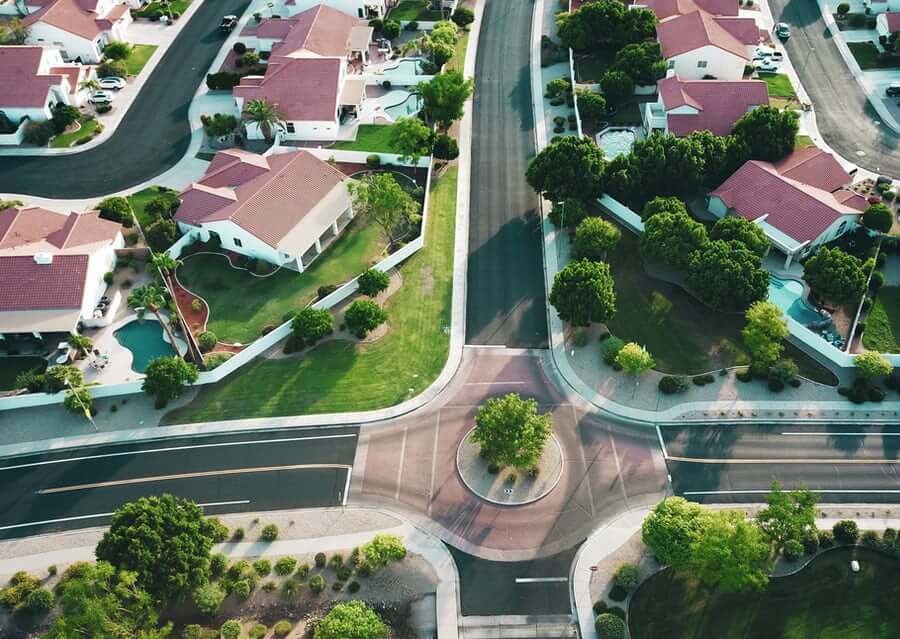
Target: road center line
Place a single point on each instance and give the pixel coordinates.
(839, 460)
(175, 448)
(97, 515)
(207, 473)
(541, 580)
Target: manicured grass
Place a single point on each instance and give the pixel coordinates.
(803, 141)
(65, 140)
(140, 53)
(414, 10)
(824, 601)
(868, 56)
(779, 85)
(12, 367)
(344, 376)
(265, 301)
(883, 323)
(140, 200)
(374, 138)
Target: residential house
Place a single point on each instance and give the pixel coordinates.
(685, 106)
(282, 208)
(800, 202)
(665, 9)
(80, 29)
(700, 46)
(887, 23)
(363, 9)
(881, 6)
(52, 267)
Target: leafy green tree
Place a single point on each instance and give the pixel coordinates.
(372, 281)
(591, 106)
(737, 229)
(731, 553)
(671, 238)
(787, 515)
(511, 432)
(635, 360)
(878, 217)
(570, 167)
(153, 297)
(161, 234)
(594, 237)
(763, 334)
(95, 600)
(381, 198)
(412, 139)
(617, 86)
(207, 598)
(768, 132)
(382, 550)
(871, 364)
(265, 115)
(351, 620)
(444, 97)
(116, 209)
(642, 62)
(583, 292)
(363, 316)
(670, 529)
(312, 324)
(727, 276)
(663, 205)
(835, 275)
(166, 378)
(165, 540)
(117, 50)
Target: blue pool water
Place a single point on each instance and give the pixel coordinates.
(145, 341)
(788, 296)
(406, 108)
(407, 67)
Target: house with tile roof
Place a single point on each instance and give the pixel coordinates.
(685, 106)
(79, 29)
(887, 23)
(701, 46)
(52, 267)
(801, 201)
(665, 9)
(282, 208)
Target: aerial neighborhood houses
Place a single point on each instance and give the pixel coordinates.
(79, 29)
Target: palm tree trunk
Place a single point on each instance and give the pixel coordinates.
(167, 329)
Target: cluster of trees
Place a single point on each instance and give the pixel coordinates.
(511, 432)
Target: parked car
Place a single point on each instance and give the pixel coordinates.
(782, 30)
(228, 23)
(893, 89)
(112, 82)
(101, 97)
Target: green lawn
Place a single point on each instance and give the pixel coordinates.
(139, 200)
(65, 140)
(11, 367)
(264, 301)
(883, 323)
(824, 601)
(140, 53)
(868, 56)
(343, 376)
(373, 138)
(779, 85)
(409, 10)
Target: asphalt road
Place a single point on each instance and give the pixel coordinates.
(846, 120)
(506, 298)
(153, 136)
(843, 463)
(296, 468)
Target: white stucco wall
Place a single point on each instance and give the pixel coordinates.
(721, 64)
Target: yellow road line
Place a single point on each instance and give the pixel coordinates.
(208, 473)
(840, 460)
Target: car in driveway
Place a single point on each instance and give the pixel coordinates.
(782, 30)
(228, 23)
(101, 97)
(893, 89)
(112, 82)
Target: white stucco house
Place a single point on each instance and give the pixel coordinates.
(887, 23)
(282, 208)
(79, 29)
(701, 46)
(52, 267)
(800, 202)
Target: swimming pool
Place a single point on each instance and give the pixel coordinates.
(788, 296)
(616, 142)
(144, 338)
(405, 67)
(408, 107)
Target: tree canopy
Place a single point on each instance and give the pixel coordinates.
(727, 276)
(583, 292)
(835, 275)
(351, 620)
(570, 167)
(670, 529)
(731, 553)
(763, 334)
(594, 237)
(444, 96)
(511, 432)
(788, 515)
(738, 229)
(166, 378)
(767, 132)
(671, 238)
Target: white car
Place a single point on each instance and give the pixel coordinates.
(112, 82)
(101, 97)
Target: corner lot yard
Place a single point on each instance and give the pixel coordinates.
(883, 323)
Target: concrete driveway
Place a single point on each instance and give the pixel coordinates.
(846, 120)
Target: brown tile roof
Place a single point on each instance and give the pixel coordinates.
(719, 103)
(20, 84)
(305, 89)
(267, 204)
(668, 8)
(22, 227)
(78, 17)
(26, 285)
(698, 29)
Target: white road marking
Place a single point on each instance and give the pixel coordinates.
(541, 580)
(80, 517)
(812, 490)
(175, 448)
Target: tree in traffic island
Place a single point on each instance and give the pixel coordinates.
(511, 432)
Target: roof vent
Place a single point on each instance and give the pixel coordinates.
(43, 258)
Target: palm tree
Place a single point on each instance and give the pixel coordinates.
(266, 115)
(81, 343)
(152, 297)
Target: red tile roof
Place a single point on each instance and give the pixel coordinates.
(26, 285)
(321, 30)
(78, 17)
(698, 29)
(21, 227)
(305, 89)
(267, 204)
(719, 103)
(668, 8)
(797, 209)
(21, 85)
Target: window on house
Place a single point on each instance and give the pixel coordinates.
(237, 242)
(290, 127)
(701, 64)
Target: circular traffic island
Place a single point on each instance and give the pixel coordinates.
(508, 486)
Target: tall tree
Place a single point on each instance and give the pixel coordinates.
(731, 554)
(570, 167)
(763, 334)
(670, 529)
(412, 139)
(768, 133)
(511, 432)
(671, 238)
(381, 198)
(727, 276)
(835, 275)
(264, 114)
(788, 515)
(153, 298)
(444, 97)
(583, 292)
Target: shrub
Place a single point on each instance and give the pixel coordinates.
(870, 538)
(317, 584)
(609, 626)
(258, 631)
(611, 347)
(671, 384)
(618, 593)
(231, 629)
(285, 566)
(262, 567)
(217, 564)
(793, 550)
(207, 341)
(826, 538)
(282, 628)
(269, 532)
(372, 281)
(627, 576)
(320, 559)
(845, 531)
(373, 160)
